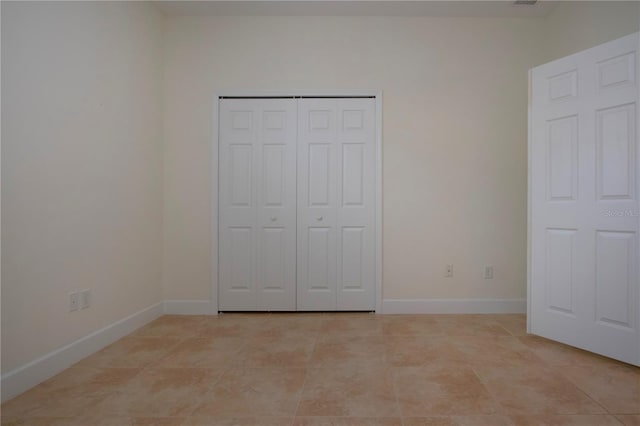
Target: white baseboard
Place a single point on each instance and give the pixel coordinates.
(187, 307)
(454, 306)
(25, 377)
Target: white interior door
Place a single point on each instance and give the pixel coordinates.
(336, 204)
(584, 200)
(257, 204)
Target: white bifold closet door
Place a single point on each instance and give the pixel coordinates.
(257, 204)
(297, 204)
(336, 198)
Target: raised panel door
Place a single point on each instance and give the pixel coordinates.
(584, 281)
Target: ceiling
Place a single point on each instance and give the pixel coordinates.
(451, 8)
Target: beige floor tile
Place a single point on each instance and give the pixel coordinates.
(558, 354)
(85, 380)
(102, 421)
(439, 389)
(68, 421)
(232, 325)
(290, 325)
(162, 392)
(21, 406)
(347, 421)
(131, 352)
(203, 352)
(410, 325)
(428, 421)
(505, 317)
(615, 387)
(157, 421)
(349, 351)
(311, 315)
(417, 351)
(353, 392)
(254, 392)
(60, 404)
(334, 369)
(470, 325)
(73, 392)
(282, 352)
(516, 325)
(565, 420)
(495, 420)
(78, 390)
(34, 421)
(238, 421)
(629, 419)
(24, 405)
(180, 326)
(491, 420)
(495, 351)
(535, 390)
(352, 325)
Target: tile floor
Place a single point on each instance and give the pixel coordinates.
(335, 369)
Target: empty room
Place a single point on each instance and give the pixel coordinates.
(319, 212)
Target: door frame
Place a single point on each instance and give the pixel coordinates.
(215, 117)
(529, 197)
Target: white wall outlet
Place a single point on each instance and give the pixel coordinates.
(85, 299)
(74, 301)
(449, 271)
(488, 272)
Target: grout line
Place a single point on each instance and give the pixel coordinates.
(306, 374)
(395, 392)
(619, 420)
(502, 410)
(558, 370)
(391, 370)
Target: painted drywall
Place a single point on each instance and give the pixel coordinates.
(82, 173)
(81, 169)
(573, 26)
(455, 136)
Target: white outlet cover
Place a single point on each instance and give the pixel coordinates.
(488, 272)
(449, 271)
(73, 301)
(85, 299)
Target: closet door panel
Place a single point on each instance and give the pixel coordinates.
(238, 147)
(336, 178)
(356, 206)
(276, 207)
(317, 189)
(257, 204)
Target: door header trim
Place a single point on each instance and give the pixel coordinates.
(288, 94)
(296, 97)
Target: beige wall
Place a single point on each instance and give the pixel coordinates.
(454, 129)
(82, 163)
(455, 133)
(573, 26)
(81, 169)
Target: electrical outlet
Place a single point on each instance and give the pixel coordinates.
(85, 299)
(488, 272)
(449, 272)
(74, 301)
